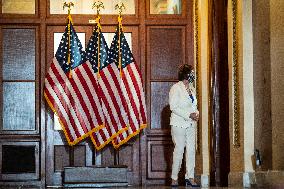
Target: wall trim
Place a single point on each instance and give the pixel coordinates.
(235, 77)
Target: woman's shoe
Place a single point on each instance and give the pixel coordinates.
(188, 183)
(174, 183)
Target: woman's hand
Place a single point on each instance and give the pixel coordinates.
(194, 116)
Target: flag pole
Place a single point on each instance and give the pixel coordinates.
(69, 19)
(98, 5)
(120, 7)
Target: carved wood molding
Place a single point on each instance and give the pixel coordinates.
(235, 75)
(197, 53)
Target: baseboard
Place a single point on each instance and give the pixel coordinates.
(269, 178)
(235, 179)
(260, 179)
(96, 185)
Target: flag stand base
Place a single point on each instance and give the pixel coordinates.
(96, 177)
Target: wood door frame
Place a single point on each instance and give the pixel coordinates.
(162, 136)
(219, 123)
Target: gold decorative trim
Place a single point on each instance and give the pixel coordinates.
(235, 75)
(196, 49)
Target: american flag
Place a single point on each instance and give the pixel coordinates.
(71, 91)
(112, 100)
(131, 86)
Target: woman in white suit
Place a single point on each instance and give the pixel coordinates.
(184, 117)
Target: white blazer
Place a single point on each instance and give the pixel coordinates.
(182, 106)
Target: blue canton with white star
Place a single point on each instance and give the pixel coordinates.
(77, 55)
(92, 50)
(126, 54)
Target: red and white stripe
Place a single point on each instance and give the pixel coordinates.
(74, 100)
(132, 89)
(114, 106)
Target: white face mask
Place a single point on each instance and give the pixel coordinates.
(191, 77)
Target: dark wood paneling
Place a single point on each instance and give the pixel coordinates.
(169, 43)
(108, 154)
(129, 154)
(175, 28)
(161, 161)
(80, 155)
(126, 156)
(160, 109)
(61, 157)
(160, 158)
(166, 51)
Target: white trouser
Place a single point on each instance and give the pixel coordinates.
(183, 137)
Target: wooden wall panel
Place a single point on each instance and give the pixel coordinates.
(129, 155)
(61, 157)
(80, 155)
(107, 154)
(160, 158)
(166, 51)
(126, 156)
(160, 109)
